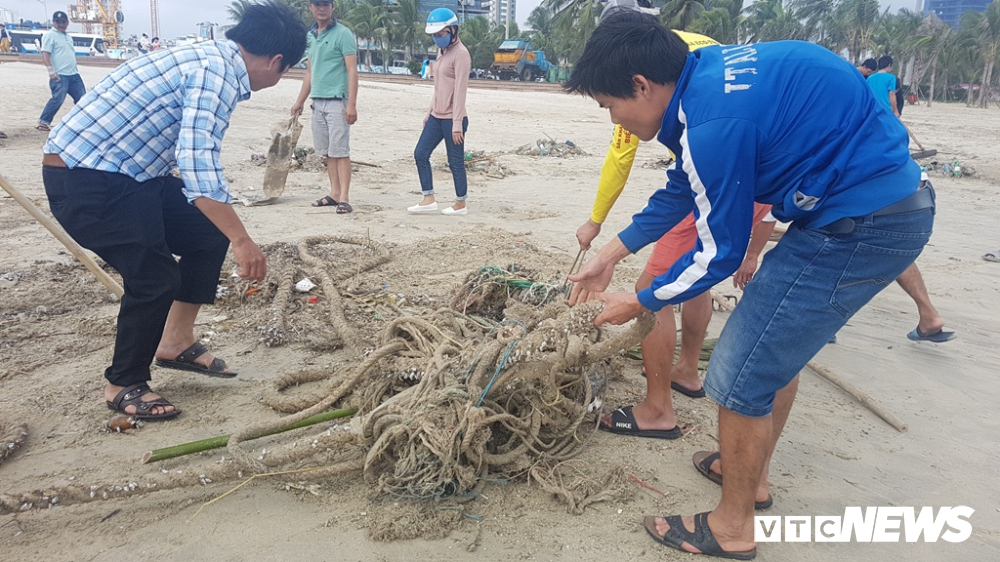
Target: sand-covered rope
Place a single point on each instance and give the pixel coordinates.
(12, 436)
(446, 400)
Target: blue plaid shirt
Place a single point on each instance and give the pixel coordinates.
(161, 110)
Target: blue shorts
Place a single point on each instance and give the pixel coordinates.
(807, 288)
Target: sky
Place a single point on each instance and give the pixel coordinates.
(181, 17)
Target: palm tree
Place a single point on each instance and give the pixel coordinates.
(237, 8)
(773, 20)
(475, 34)
(816, 14)
(367, 23)
(680, 14)
(409, 29)
(852, 26)
(718, 24)
(986, 29)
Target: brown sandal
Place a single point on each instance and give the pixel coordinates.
(132, 396)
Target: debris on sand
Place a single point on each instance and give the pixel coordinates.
(662, 164)
(550, 147)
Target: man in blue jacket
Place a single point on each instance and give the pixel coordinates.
(742, 125)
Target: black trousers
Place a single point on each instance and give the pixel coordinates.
(138, 228)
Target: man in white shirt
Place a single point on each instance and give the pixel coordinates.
(59, 58)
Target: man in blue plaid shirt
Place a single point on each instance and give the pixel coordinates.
(107, 173)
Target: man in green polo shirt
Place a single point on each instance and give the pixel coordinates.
(59, 58)
(332, 83)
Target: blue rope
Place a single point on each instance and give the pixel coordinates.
(503, 360)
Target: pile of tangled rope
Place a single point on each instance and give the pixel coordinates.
(444, 403)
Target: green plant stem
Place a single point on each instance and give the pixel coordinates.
(221, 441)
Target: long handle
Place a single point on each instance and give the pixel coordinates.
(920, 146)
(60, 235)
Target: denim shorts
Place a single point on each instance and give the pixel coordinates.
(807, 288)
(331, 133)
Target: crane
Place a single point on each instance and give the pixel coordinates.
(154, 16)
(106, 13)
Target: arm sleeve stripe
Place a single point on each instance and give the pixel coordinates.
(702, 258)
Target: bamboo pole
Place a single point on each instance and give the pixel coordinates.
(865, 400)
(221, 441)
(60, 235)
(722, 302)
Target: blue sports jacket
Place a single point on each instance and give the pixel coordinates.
(787, 123)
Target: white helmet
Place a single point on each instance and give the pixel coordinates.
(641, 6)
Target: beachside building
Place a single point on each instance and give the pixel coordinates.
(498, 13)
(950, 11)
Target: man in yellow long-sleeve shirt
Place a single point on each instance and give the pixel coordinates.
(654, 416)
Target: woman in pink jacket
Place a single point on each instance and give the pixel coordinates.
(447, 119)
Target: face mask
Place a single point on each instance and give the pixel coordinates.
(442, 42)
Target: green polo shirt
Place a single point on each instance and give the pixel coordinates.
(326, 52)
(59, 46)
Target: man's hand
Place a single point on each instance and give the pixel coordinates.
(593, 278)
(252, 263)
(586, 233)
(745, 273)
(458, 137)
(53, 75)
(351, 113)
(297, 109)
(619, 308)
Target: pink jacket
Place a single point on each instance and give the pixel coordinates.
(451, 82)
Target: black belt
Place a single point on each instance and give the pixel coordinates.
(921, 199)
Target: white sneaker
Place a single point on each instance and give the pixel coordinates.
(419, 209)
(452, 211)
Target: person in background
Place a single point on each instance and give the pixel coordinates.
(155, 45)
(5, 39)
(107, 171)
(332, 83)
(144, 44)
(883, 84)
(930, 324)
(868, 67)
(447, 119)
(59, 58)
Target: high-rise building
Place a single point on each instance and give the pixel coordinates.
(950, 11)
(498, 15)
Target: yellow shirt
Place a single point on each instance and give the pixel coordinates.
(621, 155)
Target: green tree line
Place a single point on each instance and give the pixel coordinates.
(929, 55)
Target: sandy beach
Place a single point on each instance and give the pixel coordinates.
(57, 333)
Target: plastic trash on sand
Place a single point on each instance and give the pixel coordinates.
(305, 286)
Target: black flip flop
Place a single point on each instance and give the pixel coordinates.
(185, 362)
(700, 393)
(704, 468)
(326, 202)
(623, 423)
(344, 207)
(701, 538)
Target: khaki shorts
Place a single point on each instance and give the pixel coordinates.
(331, 133)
